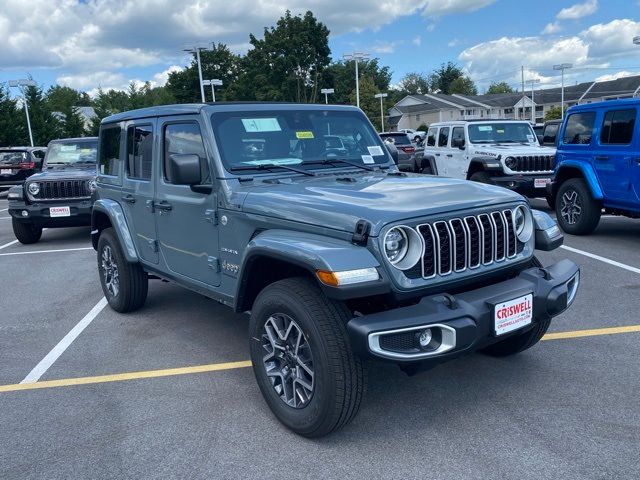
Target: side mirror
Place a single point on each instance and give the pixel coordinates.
(184, 169)
(540, 139)
(548, 235)
(458, 143)
(393, 150)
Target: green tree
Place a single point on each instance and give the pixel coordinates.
(553, 113)
(463, 85)
(442, 77)
(60, 98)
(45, 126)
(368, 103)
(341, 77)
(13, 128)
(72, 123)
(499, 87)
(413, 83)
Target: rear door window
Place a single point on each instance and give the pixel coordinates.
(139, 151)
(443, 137)
(617, 127)
(431, 137)
(109, 150)
(579, 129)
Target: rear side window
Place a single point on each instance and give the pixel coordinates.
(139, 151)
(431, 137)
(185, 138)
(110, 150)
(617, 127)
(579, 129)
(443, 138)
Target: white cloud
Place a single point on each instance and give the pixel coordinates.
(446, 7)
(551, 28)
(102, 79)
(612, 39)
(579, 10)
(453, 43)
(417, 41)
(614, 76)
(160, 78)
(385, 47)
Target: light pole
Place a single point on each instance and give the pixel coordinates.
(326, 92)
(356, 57)
(212, 82)
(381, 96)
(196, 49)
(24, 83)
(533, 81)
(562, 67)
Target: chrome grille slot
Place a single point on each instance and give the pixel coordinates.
(475, 241)
(461, 244)
(487, 229)
(500, 229)
(445, 248)
(429, 256)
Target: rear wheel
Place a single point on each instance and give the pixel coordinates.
(577, 212)
(26, 233)
(302, 358)
(124, 284)
(481, 177)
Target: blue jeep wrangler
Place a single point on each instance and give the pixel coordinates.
(597, 165)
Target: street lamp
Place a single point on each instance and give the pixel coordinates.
(562, 67)
(24, 83)
(326, 92)
(381, 96)
(533, 81)
(196, 49)
(356, 57)
(216, 82)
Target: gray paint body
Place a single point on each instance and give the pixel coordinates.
(308, 221)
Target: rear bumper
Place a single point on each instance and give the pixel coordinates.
(524, 184)
(38, 214)
(465, 322)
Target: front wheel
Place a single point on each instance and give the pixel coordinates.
(577, 212)
(26, 233)
(302, 358)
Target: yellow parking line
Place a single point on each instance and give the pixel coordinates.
(591, 333)
(215, 367)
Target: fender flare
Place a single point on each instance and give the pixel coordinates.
(431, 160)
(588, 173)
(488, 163)
(114, 212)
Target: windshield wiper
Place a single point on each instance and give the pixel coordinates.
(329, 161)
(269, 166)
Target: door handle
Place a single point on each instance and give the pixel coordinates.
(601, 159)
(449, 155)
(163, 205)
(129, 198)
(437, 154)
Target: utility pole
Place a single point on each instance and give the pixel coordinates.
(523, 95)
(381, 96)
(196, 49)
(19, 84)
(533, 107)
(562, 67)
(326, 92)
(356, 57)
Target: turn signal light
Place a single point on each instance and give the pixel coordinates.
(347, 277)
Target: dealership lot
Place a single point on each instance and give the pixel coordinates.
(168, 392)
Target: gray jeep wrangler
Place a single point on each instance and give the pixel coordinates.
(338, 256)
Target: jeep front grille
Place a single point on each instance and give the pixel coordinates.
(534, 163)
(465, 243)
(62, 190)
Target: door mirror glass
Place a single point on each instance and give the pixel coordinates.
(184, 169)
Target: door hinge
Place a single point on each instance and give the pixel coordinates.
(153, 245)
(211, 216)
(214, 264)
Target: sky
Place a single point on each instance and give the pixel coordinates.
(86, 44)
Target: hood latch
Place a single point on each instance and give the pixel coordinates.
(361, 233)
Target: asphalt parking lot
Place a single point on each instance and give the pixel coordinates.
(166, 392)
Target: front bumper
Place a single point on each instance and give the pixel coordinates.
(38, 213)
(465, 321)
(524, 184)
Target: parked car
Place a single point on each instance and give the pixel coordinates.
(58, 196)
(550, 133)
(415, 135)
(497, 152)
(18, 163)
(406, 149)
(338, 258)
(598, 167)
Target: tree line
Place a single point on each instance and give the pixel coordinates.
(290, 62)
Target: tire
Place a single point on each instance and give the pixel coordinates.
(551, 201)
(481, 177)
(574, 194)
(417, 138)
(338, 381)
(129, 291)
(26, 233)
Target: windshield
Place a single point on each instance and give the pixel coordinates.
(72, 153)
(12, 157)
(258, 140)
(520, 132)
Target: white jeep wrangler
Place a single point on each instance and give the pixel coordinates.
(499, 152)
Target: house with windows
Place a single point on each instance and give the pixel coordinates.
(414, 110)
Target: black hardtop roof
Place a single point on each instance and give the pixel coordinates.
(196, 108)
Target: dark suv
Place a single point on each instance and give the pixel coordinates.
(60, 195)
(598, 164)
(18, 163)
(338, 256)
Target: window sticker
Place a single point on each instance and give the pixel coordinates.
(306, 135)
(500, 130)
(275, 161)
(375, 151)
(530, 138)
(68, 148)
(261, 125)
(485, 128)
(368, 158)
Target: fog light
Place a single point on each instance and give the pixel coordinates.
(24, 213)
(424, 338)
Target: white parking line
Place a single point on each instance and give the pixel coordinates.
(3, 209)
(8, 244)
(44, 365)
(602, 259)
(5, 218)
(47, 251)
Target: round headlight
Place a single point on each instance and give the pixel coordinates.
(91, 186)
(510, 162)
(403, 247)
(34, 188)
(523, 223)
